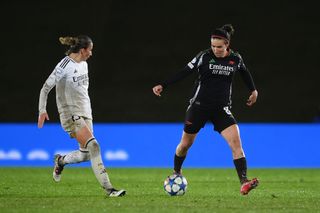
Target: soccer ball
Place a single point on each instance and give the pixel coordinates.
(175, 185)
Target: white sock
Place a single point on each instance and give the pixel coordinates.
(97, 164)
(77, 156)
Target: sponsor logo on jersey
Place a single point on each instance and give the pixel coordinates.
(80, 78)
(218, 69)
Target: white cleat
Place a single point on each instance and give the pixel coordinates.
(117, 193)
(57, 169)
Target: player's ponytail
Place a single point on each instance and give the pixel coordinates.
(68, 40)
(75, 43)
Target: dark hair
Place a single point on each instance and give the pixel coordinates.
(223, 32)
(76, 43)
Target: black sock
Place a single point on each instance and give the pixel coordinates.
(241, 167)
(60, 161)
(178, 161)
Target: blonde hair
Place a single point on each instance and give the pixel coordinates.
(75, 43)
(68, 40)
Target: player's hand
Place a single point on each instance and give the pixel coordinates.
(253, 98)
(42, 117)
(157, 90)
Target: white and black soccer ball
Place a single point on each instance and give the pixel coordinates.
(175, 185)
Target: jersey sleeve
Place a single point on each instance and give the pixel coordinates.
(245, 74)
(57, 74)
(186, 71)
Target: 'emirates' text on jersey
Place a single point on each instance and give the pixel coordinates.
(215, 77)
(72, 82)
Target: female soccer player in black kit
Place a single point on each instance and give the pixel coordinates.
(212, 100)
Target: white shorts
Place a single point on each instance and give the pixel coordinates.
(75, 123)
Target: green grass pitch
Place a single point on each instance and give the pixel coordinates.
(209, 190)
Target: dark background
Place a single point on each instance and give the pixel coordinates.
(138, 43)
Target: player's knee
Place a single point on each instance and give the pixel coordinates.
(183, 147)
(186, 145)
(187, 140)
(180, 151)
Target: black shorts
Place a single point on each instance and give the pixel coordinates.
(196, 117)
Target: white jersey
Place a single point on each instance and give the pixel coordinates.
(72, 82)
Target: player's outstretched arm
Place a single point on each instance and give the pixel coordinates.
(252, 98)
(42, 117)
(157, 90)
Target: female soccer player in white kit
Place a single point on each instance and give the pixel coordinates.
(71, 79)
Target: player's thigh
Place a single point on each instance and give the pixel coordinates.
(89, 123)
(78, 127)
(195, 119)
(222, 118)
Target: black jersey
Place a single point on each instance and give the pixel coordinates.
(215, 77)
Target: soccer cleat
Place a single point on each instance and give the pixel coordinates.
(57, 168)
(247, 186)
(117, 193)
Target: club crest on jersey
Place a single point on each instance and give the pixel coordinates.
(75, 71)
(231, 62)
